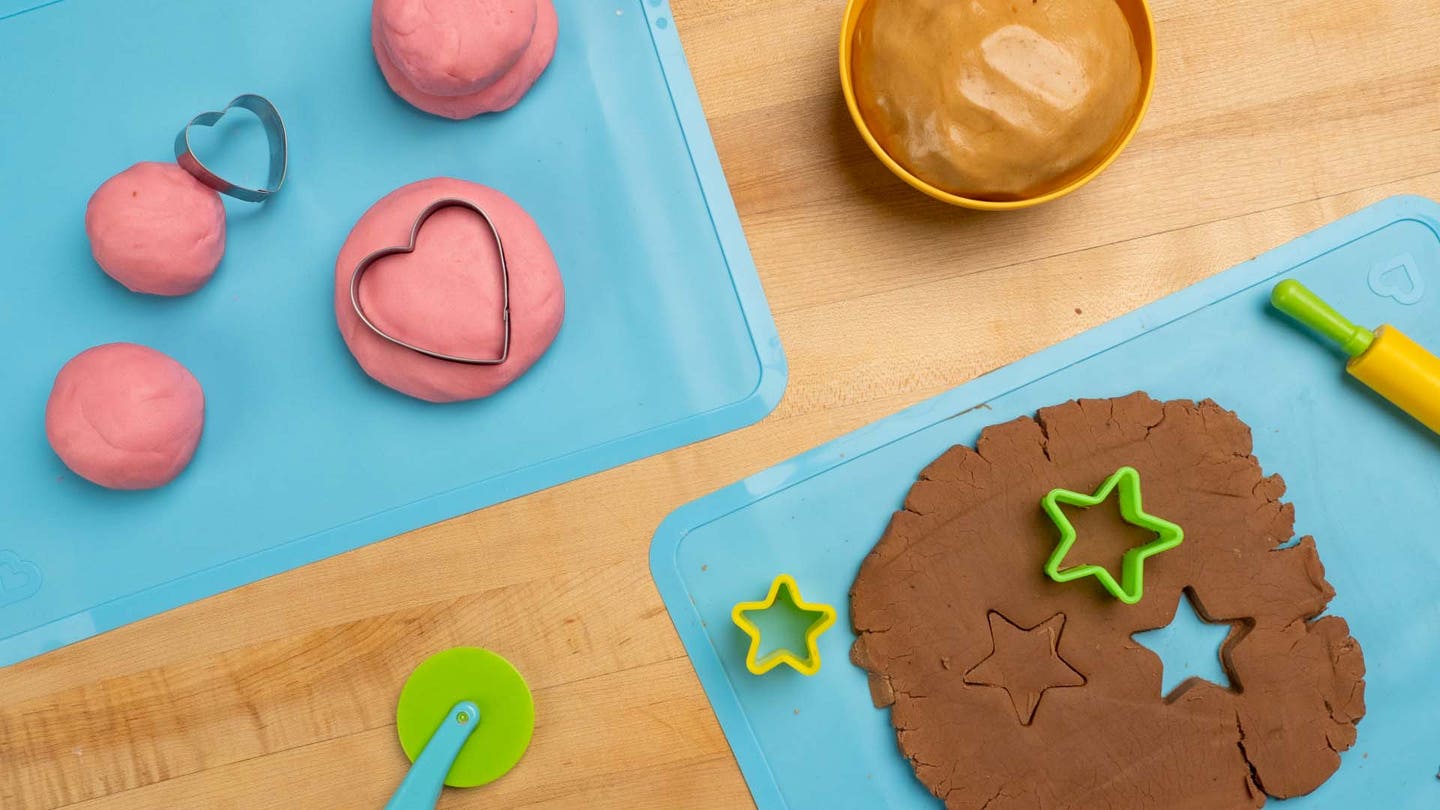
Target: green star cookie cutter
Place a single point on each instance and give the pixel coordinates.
(1131, 586)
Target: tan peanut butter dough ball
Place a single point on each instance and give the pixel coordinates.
(996, 99)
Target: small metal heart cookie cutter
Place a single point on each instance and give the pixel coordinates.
(367, 262)
(274, 133)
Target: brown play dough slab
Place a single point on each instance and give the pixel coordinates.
(1010, 690)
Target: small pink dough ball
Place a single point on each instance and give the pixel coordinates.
(125, 416)
(447, 295)
(156, 229)
(461, 58)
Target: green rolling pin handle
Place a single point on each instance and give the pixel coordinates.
(422, 786)
(1296, 300)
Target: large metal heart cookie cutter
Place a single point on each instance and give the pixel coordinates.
(274, 133)
(367, 262)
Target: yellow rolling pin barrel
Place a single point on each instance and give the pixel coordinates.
(1388, 361)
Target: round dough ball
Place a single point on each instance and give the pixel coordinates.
(996, 100)
(461, 58)
(156, 229)
(125, 416)
(453, 47)
(447, 295)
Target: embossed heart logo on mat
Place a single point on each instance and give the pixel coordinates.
(370, 260)
(1398, 279)
(274, 136)
(20, 579)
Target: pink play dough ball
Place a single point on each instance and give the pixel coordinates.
(446, 296)
(454, 47)
(457, 74)
(125, 416)
(156, 229)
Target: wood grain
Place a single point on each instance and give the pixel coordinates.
(1270, 119)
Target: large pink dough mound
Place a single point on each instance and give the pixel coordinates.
(156, 229)
(461, 58)
(446, 296)
(125, 416)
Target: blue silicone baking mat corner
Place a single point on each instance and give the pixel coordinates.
(818, 743)
(667, 338)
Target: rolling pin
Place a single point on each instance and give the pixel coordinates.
(1392, 364)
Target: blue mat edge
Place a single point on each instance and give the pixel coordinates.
(302, 551)
(664, 548)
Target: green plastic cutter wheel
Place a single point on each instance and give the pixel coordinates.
(465, 718)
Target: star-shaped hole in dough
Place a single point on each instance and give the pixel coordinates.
(1025, 662)
(1194, 648)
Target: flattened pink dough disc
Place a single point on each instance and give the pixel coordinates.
(502, 94)
(446, 296)
(453, 47)
(125, 416)
(156, 229)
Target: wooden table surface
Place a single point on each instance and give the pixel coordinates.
(1269, 120)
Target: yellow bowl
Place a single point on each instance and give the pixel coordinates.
(1142, 26)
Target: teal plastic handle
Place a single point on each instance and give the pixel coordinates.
(1296, 300)
(422, 786)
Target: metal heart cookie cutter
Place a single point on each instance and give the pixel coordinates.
(369, 261)
(274, 133)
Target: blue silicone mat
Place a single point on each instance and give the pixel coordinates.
(667, 338)
(818, 743)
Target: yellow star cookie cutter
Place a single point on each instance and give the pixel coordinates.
(809, 663)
